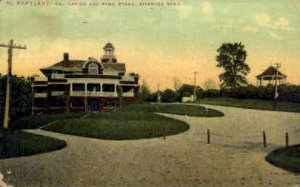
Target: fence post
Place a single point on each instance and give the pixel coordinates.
(286, 139)
(264, 139)
(165, 133)
(152, 131)
(208, 136)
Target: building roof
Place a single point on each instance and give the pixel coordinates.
(108, 45)
(270, 71)
(77, 65)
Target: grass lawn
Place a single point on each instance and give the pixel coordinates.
(36, 121)
(286, 158)
(252, 104)
(134, 121)
(179, 109)
(19, 143)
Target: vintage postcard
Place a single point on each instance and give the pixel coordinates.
(149, 93)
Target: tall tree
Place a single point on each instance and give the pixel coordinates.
(231, 57)
(209, 84)
(20, 103)
(177, 83)
(144, 91)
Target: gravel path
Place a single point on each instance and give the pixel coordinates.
(235, 157)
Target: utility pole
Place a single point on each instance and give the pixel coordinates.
(277, 66)
(10, 47)
(158, 94)
(194, 94)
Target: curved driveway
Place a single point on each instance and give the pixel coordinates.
(235, 157)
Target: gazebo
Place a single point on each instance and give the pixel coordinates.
(271, 74)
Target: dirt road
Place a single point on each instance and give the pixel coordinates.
(235, 156)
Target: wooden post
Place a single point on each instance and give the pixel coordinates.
(264, 139)
(152, 131)
(286, 139)
(10, 47)
(208, 136)
(165, 133)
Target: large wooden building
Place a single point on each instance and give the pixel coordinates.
(84, 85)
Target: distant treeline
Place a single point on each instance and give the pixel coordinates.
(287, 93)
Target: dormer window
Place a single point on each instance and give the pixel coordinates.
(93, 69)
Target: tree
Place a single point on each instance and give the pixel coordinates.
(186, 90)
(231, 57)
(144, 91)
(209, 84)
(20, 102)
(169, 95)
(177, 83)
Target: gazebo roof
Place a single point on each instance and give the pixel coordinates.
(270, 71)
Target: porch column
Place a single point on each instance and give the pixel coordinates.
(71, 89)
(85, 98)
(115, 93)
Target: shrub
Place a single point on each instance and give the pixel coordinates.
(169, 96)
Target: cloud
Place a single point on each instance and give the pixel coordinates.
(184, 11)
(207, 10)
(274, 35)
(264, 20)
(250, 29)
(227, 24)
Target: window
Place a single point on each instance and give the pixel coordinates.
(40, 105)
(78, 87)
(126, 89)
(58, 103)
(108, 87)
(93, 87)
(93, 69)
(77, 103)
(59, 87)
(109, 104)
(40, 89)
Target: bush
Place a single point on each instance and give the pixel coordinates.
(211, 93)
(169, 96)
(287, 93)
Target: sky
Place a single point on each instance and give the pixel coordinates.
(157, 42)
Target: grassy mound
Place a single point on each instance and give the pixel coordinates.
(19, 143)
(286, 158)
(131, 126)
(132, 122)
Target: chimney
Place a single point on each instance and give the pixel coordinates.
(66, 60)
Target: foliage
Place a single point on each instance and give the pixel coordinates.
(231, 57)
(19, 143)
(177, 83)
(20, 98)
(287, 93)
(187, 90)
(209, 84)
(144, 91)
(169, 95)
(211, 93)
(252, 103)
